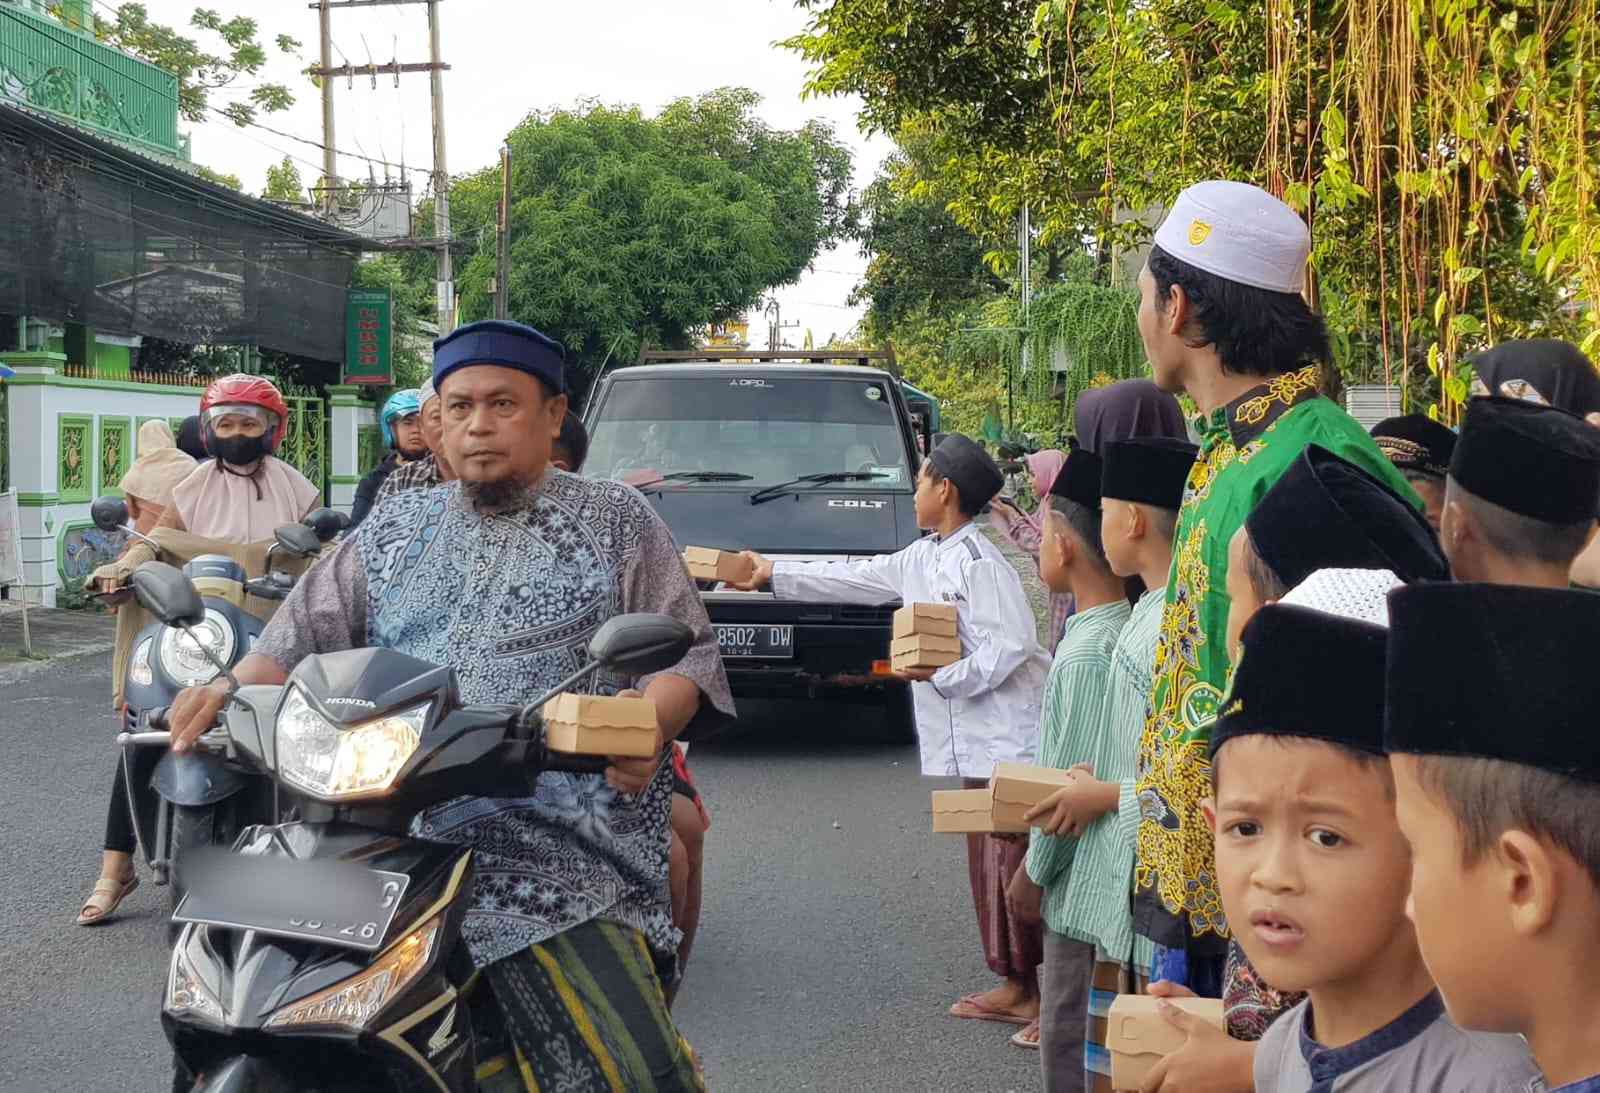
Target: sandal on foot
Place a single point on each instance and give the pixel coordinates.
(973, 1008)
(107, 896)
(1028, 1037)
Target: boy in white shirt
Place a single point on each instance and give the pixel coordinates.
(979, 711)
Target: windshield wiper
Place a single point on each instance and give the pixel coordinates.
(706, 476)
(767, 493)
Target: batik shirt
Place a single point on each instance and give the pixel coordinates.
(510, 602)
(419, 474)
(1245, 447)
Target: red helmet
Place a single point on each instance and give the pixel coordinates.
(242, 390)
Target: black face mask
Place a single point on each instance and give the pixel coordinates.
(240, 451)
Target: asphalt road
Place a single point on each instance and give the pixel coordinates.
(836, 929)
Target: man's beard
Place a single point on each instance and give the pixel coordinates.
(499, 495)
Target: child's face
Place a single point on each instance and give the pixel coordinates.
(1453, 906)
(1055, 552)
(1242, 600)
(1310, 862)
(928, 503)
(1116, 526)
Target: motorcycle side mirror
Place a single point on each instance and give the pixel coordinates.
(109, 513)
(297, 539)
(167, 594)
(326, 523)
(636, 645)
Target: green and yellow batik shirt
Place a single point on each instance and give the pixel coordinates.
(1245, 447)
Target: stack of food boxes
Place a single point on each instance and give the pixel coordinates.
(924, 637)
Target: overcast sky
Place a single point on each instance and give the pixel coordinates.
(508, 59)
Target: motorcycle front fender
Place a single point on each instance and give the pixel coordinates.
(244, 1074)
(195, 779)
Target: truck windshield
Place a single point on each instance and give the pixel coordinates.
(772, 428)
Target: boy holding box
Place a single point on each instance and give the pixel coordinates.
(1313, 871)
(1490, 729)
(971, 714)
(1071, 559)
(1091, 951)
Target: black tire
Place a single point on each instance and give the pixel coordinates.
(899, 718)
(194, 829)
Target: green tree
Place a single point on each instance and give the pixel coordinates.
(203, 71)
(232, 182)
(627, 228)
(283, 182)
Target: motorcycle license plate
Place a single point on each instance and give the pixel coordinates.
(334, 903)
(771, 642)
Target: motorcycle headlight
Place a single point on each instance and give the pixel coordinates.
(359, 999)
(187, 992)
(334, 761)
(139, 669)
(182, 659)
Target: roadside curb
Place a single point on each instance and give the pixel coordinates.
(13, 671)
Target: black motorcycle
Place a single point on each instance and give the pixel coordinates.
(178, 807)
(325, 954)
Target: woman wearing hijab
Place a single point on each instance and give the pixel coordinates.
(1553, 373)
(1026, 530)
(159, 467)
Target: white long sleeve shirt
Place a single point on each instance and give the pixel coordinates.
(984, 708)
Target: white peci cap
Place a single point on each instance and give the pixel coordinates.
(1360, 594)
(426, 392)
(1240, 233)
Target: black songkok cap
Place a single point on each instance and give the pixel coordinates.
(1535, 460)
(1416, 442)
(1497, 672)
(1327, 513)
(973, 471)
(1272, 694)
(1079, 480)
(1148, 470)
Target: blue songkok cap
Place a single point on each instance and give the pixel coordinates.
(501, 342)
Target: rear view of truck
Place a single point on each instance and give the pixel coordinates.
(799, 462)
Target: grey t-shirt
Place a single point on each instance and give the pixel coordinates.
(1421, 1051)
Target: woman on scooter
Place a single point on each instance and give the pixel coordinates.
(241, 495)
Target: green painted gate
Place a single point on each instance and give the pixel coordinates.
(305, 439)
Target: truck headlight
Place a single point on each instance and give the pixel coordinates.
(358, 999)
(187, 992)
(334, 762)
(182, 659)
(139, 669)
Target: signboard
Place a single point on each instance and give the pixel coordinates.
(10, 540)
(369, 331)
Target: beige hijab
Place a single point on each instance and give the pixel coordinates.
(159, 466)
(236, 509)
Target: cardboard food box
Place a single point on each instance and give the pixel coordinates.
(593, 725)
(923, 651)
(710, 564)
(959, 811)
(1017, 787)
(1137, 1035)
(935, 619)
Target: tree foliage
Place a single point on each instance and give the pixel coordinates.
(1442, 150)
(627, 228)
(284, 183)
(203, 72)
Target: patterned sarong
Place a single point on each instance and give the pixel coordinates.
(587, 1015)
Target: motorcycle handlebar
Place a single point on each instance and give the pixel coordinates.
(211, 741)
(157, 717)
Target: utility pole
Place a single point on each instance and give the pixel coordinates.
(1025, 242)
(502, 239)
(441, 180)
(330, 160)
(444, 281)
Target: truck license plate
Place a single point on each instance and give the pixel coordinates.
(772, 642)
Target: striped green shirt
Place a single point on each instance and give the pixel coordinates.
(1094, 904)
(1069, 730)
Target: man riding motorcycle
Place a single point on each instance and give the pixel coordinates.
(504, 576)
(402, 434)
(431, 469)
